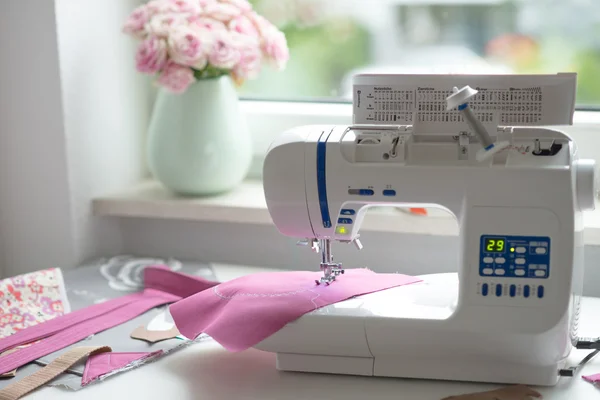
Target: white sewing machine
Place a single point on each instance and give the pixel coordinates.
(510, 314)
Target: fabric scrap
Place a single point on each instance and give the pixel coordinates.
(9, 374)
(242, 312)
(592, 378)
(85, 286)
(101, 364)
(516, 392)
(30, 299)
(39, 378)
(163, 286)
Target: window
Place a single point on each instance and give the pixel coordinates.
(331, 40)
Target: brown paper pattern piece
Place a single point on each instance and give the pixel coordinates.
(142, 333)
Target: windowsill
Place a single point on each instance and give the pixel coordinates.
(246, 205)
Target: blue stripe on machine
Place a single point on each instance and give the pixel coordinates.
(321, 179)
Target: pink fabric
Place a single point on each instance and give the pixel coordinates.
(101, 364)
(242, 312)
(592, 378)
(163, 286)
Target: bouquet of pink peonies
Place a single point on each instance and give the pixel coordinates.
(182, 41)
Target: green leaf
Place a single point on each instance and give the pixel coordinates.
(209, 72)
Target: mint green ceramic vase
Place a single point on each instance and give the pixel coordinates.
(198, 141)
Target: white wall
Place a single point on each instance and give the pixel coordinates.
(72, 117)
(106, 109)
(35, 207)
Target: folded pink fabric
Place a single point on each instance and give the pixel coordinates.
(98, 365)
(242, 312)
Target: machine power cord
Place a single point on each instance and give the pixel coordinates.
(582, 343)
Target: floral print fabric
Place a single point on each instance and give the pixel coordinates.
(30, 299)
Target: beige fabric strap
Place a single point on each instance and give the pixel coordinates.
(39, 378)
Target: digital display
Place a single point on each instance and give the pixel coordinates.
(495, 245)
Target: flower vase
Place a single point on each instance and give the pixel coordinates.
(198, 140)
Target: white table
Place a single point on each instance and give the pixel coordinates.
(207, 371)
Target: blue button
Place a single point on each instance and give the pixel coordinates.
(347, 211)
(540, 291)
(526, 291)
(498, 290)
(389, 192)
(344, 220)
(366, 192)
(513, 290)
(484, 289)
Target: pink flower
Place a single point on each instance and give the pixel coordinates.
(154, 7)
(276, 49)
(151, 55)
(243, 25)
(160, 24)
(180, 6)
(243, 5)
(261, 23)
(187, 47)
(204, 3)
(176, 78)
(136, 23)
(250, 62)
(208, 24)
(224, 52)
(221, 11)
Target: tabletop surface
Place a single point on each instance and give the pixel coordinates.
(207, 371)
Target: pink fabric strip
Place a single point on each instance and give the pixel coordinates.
(50, 327)
(79, 332)
(163, 286)
(242, 312)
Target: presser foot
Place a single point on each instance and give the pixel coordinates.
(330, 272)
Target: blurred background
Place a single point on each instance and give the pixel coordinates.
(331, 40)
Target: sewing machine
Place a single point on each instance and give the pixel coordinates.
(473, 145)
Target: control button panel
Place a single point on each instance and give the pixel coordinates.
(524, 257)
(529, 292)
